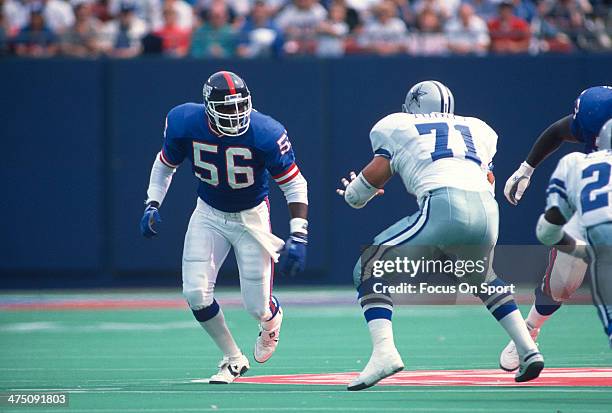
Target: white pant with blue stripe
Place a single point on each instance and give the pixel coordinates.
(448, 219)
(600, 240)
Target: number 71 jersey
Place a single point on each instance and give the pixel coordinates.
(233, 170)
(581, 185)
(436, 150)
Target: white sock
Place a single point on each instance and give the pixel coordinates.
(218, 331)
(515, 326)
(381, 332)
(535, 319)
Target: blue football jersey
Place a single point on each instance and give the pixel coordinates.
(591, 110)
(233, 171)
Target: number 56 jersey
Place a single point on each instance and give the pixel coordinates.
(581, 185)
(233, 171)
(436, 150)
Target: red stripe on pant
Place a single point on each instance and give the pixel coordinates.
(272, 303)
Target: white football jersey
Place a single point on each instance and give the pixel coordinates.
(436, 150)
(581, 185)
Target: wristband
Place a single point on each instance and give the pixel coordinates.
(298, 225)
(526, 169)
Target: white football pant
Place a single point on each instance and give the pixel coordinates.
(210, 235)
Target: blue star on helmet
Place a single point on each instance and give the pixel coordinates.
(416, 96)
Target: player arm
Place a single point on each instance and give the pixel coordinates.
(295, 189)
(550, 140)
(369, 183)
(280, 162)
(164, 166)
(159, 180)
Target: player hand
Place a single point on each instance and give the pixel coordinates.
(149, 219)
(345, 182)
(293, 255)
(517, 184)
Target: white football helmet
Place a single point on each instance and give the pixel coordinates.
(604, 140)
(428, 97)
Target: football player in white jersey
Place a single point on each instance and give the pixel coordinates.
(443, 160)
(564, 273)
(580, 187)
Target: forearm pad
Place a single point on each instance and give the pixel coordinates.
(359, 192)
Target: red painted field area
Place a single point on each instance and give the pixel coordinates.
(550, 377)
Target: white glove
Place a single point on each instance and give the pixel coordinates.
(518, 183)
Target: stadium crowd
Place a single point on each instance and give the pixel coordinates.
(328, 28)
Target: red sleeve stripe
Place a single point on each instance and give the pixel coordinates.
(296, 173)
(165, 160)
(285, 174)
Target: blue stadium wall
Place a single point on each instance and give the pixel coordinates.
(79, 138)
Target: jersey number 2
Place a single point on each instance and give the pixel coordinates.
(601, 200)
(441, 149)
(233, 170)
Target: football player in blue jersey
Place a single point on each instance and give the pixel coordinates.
(565, 272)
(233, 150)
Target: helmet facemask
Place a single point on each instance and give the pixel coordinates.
(232, 116)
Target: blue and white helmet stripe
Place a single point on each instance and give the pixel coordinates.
(428, 97)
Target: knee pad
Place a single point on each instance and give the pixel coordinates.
(206, 313)
(197, 298)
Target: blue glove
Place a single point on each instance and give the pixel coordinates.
(149, 219)
(293, 255)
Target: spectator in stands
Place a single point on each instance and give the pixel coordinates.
(58, 15)
(570, 16)
(386, 34)
(429, 39)
(184, 13)
(15, 15)
(299, 22)
(406, 12)
(333, 31)
(467, 33)
(101, 10)
(149, 11)
(486, 9)
(175, 39)
(545, 36)
(36, 39)
(509, 34)
(122, 37)
(352, 19)
(362, 7)
(524, 9)
(259, 36)
(81, 40)
(238, 10)
(215, 37)
(443, 8)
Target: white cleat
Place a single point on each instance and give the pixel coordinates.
(382, 364)
(509, 357)
(230, 368)
(267, 340)
(530, 368)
